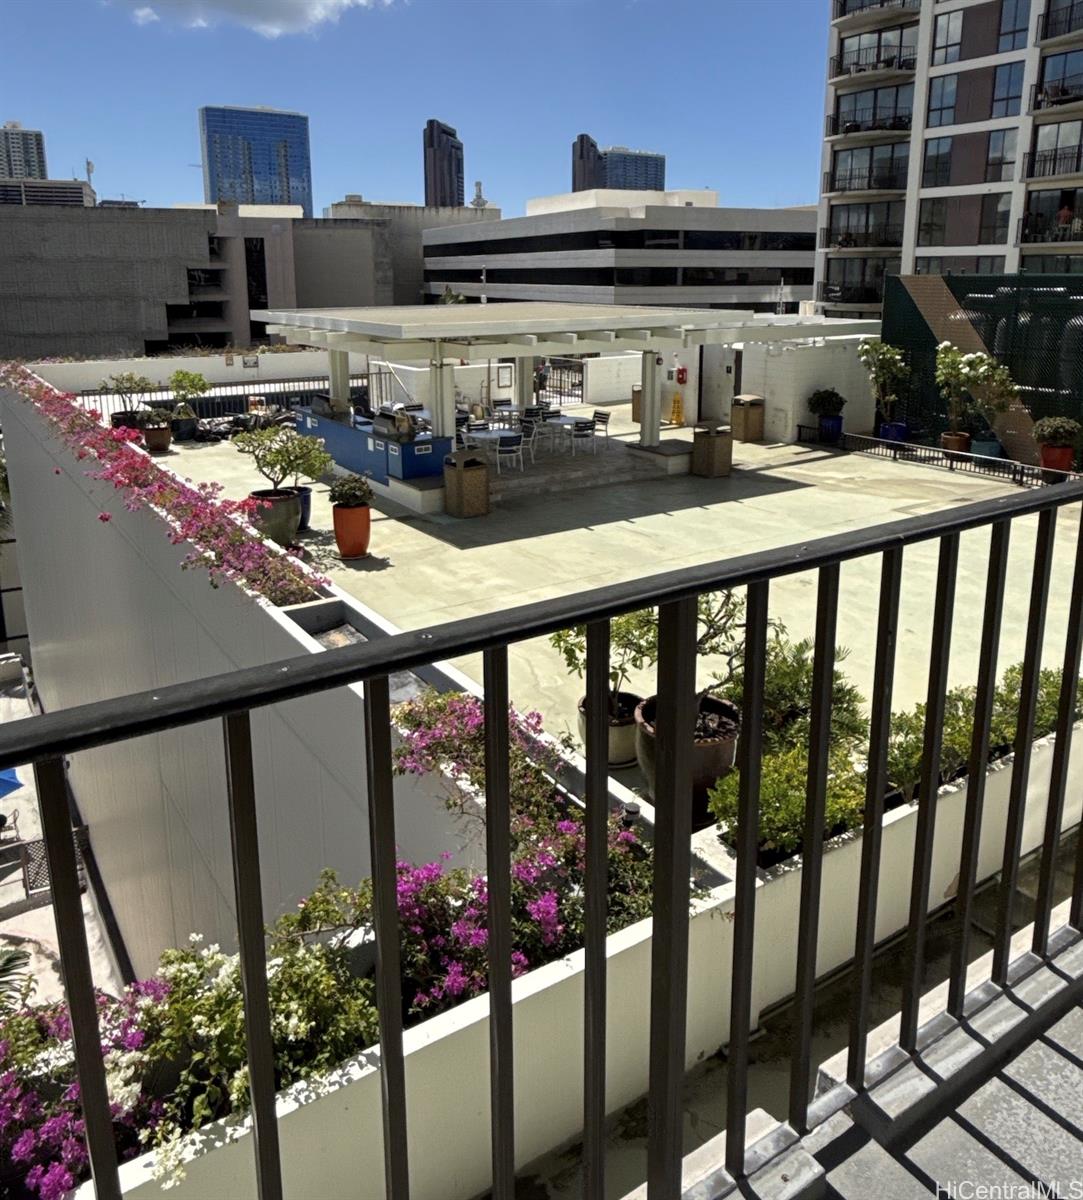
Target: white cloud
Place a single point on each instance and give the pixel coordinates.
(271, 18)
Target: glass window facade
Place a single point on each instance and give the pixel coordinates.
(883, 166)
(994, 219)
(947, 38)
(942, 99)
(1000, 156)
(256, 156)
(1057, 149)
(878, 48)
(936, 170)
(1014, 20)
(1061, 79)
(1007, 90)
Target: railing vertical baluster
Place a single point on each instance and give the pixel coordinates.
(498, 872)
(672, 864)
(248, 894)
(76, 973)
(1058, 774)
(976, 763)
(929, 785)
(381, 806)
(1024, 733)
(875, 790)
(823, 668)
(596, 887)
(749, 753)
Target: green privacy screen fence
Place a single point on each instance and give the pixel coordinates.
(1032, 323)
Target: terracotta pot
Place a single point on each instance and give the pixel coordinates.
(157, 438)
(711, 757)
(279, 519)
(1058, 458)
(622, 730)
(958, 443)
(352, 529)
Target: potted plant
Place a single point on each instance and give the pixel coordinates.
(983, 441)
(187, 387)
(131, 389)
(154, 425)
(351, 498)
(279, 513)
(887, 370)
(184, 422)
(633, 644)
(1057, 438)
(827, 404)
(308, 460)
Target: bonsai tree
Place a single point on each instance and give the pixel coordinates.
(886, 369)
(826, 402)
(271, 452)
(151, 418)
(633, 645)
(187, 386)
(350, 491)
(129, 386)
(1057, 431)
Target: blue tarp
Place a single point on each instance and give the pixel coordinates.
(9, 782)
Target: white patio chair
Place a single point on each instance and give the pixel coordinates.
(530, 436)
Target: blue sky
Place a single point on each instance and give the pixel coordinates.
(730, 90)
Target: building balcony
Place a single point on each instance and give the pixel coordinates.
(1061, 22)
(888, 236)
(865, 181)
(1060, 94)
(849, 293)
(1040, 230)
(867, 120)
(1047, 164)
(871, 63)
(849, 14)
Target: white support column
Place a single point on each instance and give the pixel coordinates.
(650, 428)
(524, 383)
(441, 394)
(339, 375)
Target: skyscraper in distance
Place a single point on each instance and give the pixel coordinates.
(588, 165)
(443, 151)
(255, 156)
(615, 167)
(22, 152)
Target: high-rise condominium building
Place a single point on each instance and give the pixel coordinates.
(953, 142)
(255, 156)
(444, 185)
(22, 152)
(615, 167)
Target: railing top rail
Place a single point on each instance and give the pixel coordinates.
(106, 721)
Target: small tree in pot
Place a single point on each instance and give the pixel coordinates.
(309, 460)
(351, 500)
(187, 387)
(633, 645)
(279, 513)
(131, 389)
(153, 423)
(887, 370)
(1057, 438)
(827, 404)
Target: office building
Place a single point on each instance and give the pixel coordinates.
(22, 152)
(255, 156)
(952, 144)
(623, 247)
(76, 192)
(615, 167)
(444, 186)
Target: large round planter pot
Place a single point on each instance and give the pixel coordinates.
(1058, 458)
(157, 438)
(622, 729)
(279, 519)
(305, 493)
(830, 430)
(711, 757)
(184, 428)
(352, 528)
(124, 418)
(955, 443)
(894, 431)
(985, 447)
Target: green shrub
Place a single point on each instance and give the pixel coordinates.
(1057, 431)
(826, 402)
(351, 491)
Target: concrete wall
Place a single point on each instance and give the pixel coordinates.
(786, 374)
(348, 266)
(110, 611)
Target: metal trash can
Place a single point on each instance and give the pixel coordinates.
(746, 417)
(712, 451)
(466, 485)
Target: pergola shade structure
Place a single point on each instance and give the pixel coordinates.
(445, 334)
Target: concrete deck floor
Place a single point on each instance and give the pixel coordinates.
(424, 570)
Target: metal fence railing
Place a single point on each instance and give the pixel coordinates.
(46, 741)
(847, 8)
(1055, 22)
(863, 120)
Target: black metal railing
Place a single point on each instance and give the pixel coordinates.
(1058, 21)
(873, 58)
(849, 293)
(1066, 160)
(46, 741)
(1037, 227)
(876, 235)
(865, 181)
(847, 8)
(1068, 90)
(865, 120)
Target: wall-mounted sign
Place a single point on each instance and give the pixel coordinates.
(250, 360)
(503, 375)
(229, 360)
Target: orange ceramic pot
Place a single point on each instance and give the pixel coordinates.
(352, 528)
(1058, 458)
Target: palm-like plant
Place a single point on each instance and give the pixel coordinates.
(13, 977)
